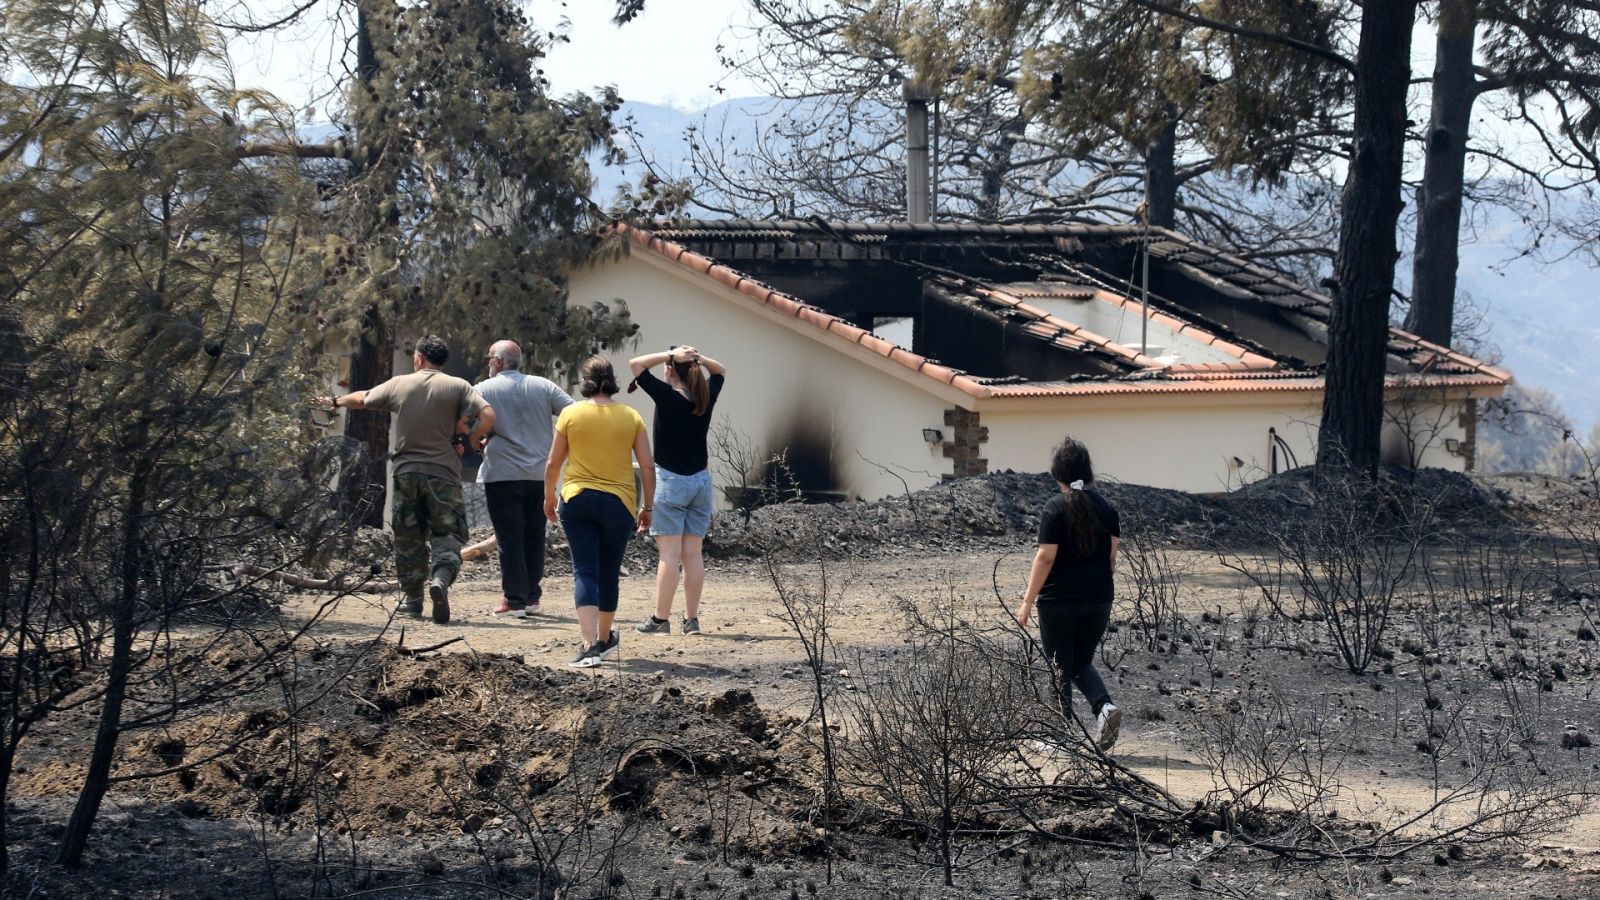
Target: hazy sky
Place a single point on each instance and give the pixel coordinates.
(668, 55)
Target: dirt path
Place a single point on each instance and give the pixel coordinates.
(746, 644)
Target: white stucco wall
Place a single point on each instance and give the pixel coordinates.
(1420, 426)
(782, 380)
(1194, 443)
(1205, 443)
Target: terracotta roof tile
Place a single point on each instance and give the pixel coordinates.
(1460, 359)
(906, 358)
(845, 330)
(876, 344)
(1190, 330)
(727, 276)
(1048, 324)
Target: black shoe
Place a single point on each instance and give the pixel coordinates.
(439, 593)
(409, 606)
(608, 647)
(587, 658)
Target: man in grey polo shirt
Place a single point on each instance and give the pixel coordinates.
(512, 473)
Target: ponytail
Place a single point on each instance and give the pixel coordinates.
(699, 390)
(1071, 467)
(1082, 522)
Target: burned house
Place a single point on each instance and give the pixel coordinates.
(885, 356)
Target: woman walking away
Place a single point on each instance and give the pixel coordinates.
(598, 440)
(683, 482)
(1071, 581)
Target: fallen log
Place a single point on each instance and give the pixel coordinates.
(480, 550)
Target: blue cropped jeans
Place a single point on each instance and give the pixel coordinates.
(598, 526)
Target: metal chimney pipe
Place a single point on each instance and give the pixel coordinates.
(917, 98)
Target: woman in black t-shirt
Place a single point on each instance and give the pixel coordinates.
(683, 483)
(1072, 584)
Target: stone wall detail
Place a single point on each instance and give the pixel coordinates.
(961, 443)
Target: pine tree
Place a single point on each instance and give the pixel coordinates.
(469, 199)
(156, 270)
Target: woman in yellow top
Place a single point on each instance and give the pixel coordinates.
(597, 440)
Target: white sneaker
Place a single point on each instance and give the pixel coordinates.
(1048, 748)
(1110, 725)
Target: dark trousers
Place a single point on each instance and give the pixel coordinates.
(516, 508)
(598, 526)
(1070, 633)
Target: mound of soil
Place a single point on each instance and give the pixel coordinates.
(1001, 509)
(462, 743)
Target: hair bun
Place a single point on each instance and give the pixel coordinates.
(597, 377)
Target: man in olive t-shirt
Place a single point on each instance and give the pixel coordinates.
(428, 514)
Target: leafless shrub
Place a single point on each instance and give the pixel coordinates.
(737, 460)
(751, 478)
(810, 589)
(1489, 782)
(1278, 765)
(1501, 579)
(932, 729)
(1348, 555)
(1271, 757)
(1152, 575)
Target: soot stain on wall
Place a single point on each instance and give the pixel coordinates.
(802, 456)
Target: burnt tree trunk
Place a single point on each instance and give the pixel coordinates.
(98, 779)
(1433, 270)
(371, 365)
(373, 360)
(1369, 210)
(1161, 177)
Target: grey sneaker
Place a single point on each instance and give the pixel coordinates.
(652, 626)
(439, 593)
(608, 647)
(1110, 721)
(587, 658)
(691, 626)
(409, 606)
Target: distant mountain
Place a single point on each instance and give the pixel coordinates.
(1543, 319)
(662, 133)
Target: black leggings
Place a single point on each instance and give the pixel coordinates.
(1070, 633)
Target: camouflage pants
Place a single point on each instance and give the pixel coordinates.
(429, 520)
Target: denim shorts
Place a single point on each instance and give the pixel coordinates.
(683, 503)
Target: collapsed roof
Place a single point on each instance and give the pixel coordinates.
(1045, 310)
